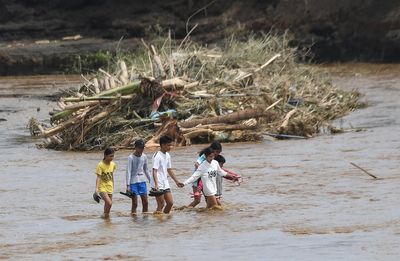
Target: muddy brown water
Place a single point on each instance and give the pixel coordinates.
(300, 199)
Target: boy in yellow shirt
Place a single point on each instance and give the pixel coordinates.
(105, 180)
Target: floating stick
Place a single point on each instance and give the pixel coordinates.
(355, 165)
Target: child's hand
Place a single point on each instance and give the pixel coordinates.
(180, 184)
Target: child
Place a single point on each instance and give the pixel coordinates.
(208, 171)
(105, 179)
(135, 180)
(159, 183)
(221, 161)
(197, 185)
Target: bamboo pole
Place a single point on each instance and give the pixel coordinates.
(96, 85)
(112, 83)
(82, 104)
(107, 82)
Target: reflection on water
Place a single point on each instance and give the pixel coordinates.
(300, 199)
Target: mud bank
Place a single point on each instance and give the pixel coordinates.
(336, 30)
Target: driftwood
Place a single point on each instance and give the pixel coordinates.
(170, 128)
(220, 127)
(197, 133)
(229, 118)
(286, 120)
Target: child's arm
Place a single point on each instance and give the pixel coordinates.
(155, 179)
(97, 182)
(195, 176)
(128, 173)
(172, 175)
(227, 174)
(146, 170)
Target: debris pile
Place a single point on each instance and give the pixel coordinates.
(239, 91)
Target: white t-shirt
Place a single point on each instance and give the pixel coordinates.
(161, 162)
(208, 173)
(137, 169)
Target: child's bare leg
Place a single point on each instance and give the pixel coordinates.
(211, 201)
(107, 202)
(170, 202)
(218, 201)
(160, 203)
(134, 205)
(196, 198)
(145, 203)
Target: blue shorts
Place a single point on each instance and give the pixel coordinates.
(139, 188)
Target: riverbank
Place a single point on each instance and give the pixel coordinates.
(31, 33)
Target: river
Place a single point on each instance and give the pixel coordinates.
(300, 199)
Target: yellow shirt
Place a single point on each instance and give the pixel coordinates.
(106, 174)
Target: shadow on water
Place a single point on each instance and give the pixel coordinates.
(300, 199)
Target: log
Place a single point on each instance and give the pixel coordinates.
(191, 85)
(230, 118)
(197, 133)
(286, 119)
(105, 98)
(173, 84)
(170, 128)
(83, 104)
(220, 127)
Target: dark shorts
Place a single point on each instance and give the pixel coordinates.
(139, 188)
(159, 192)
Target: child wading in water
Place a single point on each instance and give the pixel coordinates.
(208, 171)
(159, 183)
(233, 177)
(197, 185)
(105, 179)
(135, 177)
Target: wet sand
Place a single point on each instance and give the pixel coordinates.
(300, 199)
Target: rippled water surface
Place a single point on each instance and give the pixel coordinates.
(300, 199)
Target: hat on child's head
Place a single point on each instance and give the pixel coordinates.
(139, 144)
